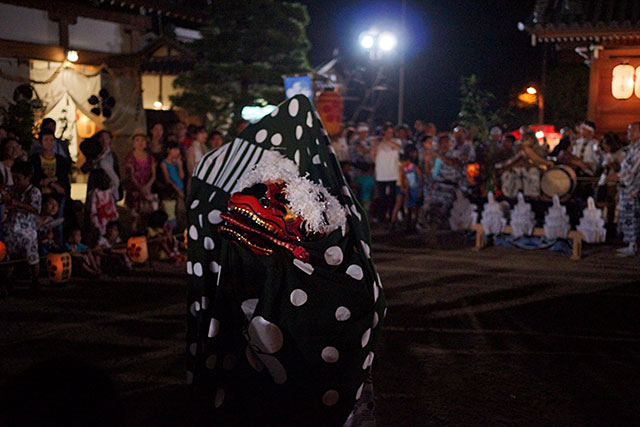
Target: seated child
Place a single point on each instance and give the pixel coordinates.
(165, 245)
(83, 260)
(113, 253)
(49, 226)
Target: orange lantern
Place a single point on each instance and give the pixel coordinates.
(185, 239)
(3, 251)
(330, 110)
(473, 172)
(59, 267)
(137, 249)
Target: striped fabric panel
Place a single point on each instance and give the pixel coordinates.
(223, 167)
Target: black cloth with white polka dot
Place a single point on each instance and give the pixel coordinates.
(272, 337)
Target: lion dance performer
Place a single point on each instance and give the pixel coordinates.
(284, 301)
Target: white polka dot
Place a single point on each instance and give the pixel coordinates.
(195, 203)
(275, 368)
(355, 212)
(276, 139)
(298, 297)
(368, 360)
(205, 303)
(197, 269)
(193, 348)
(379, 280)
(376, 319)
(229, 362)
(265, 335)
(365, 337)
(298, 132)
(208, 243)
(275, 112)
(296, 157)
(189, 377)
(193, 232)
(211, 361)
(384, 313)
(220, 394)
(359, 392)
(330, 354)
(189, 268)
(366, 248)
(253, 360)
(342, 314)
(376, 292)
(317, 141)
(261, 135)
(330, 398)
(248, 306)
(200, 220)
(307, 268)
(293, 107)
(195, 307)
(355, 271)
(214, 217)
(214, 327)
(316, 159)
(309, 119)
(214, 267)
(333, 255)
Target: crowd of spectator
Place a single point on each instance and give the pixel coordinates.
(39, 217)
(414, 174)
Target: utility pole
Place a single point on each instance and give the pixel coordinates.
(402, 49)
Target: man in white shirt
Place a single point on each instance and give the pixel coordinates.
(586, 147)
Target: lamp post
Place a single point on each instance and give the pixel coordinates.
(533, 91)
(377, 44)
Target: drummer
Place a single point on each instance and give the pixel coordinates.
(522, 171)
(586, 148)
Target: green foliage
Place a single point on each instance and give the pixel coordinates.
(242, 57)
(18, 116)
(478, 111)
(567, 95)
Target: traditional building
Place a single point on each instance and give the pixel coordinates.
(606, 34)
(123, 54)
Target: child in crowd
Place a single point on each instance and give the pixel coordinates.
(139, 178)
(166, 245)
(366, 184)
(23, 201)
(50, 219)
(173, 198)
(113, 253)
(102, 204)
(411, 178)
(82, 258)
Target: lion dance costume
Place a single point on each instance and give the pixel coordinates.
(284, 301)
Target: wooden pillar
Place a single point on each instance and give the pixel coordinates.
(594, 84)
(63, 21)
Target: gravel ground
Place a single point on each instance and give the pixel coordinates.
(499, 337)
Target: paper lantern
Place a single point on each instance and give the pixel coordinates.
(473, 172)
(185, 239)
(137, 249)
(59, 267)
(623, 81)
(3, 251)
(330, 110)
(638, 82)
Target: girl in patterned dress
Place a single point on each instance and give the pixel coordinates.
(139, 178)
(24, 202)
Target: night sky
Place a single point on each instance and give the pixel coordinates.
(445, 41)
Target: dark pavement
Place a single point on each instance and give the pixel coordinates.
(499, 337)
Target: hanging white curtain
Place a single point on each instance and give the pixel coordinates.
(78, 85)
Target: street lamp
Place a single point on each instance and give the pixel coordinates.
(378, 43)
(531, 96)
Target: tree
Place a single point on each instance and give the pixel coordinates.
(476, 105)
(567, 94)
(242, 55)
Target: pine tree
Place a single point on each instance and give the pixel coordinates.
(246, 49)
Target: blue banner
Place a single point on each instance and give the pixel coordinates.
(298, 85)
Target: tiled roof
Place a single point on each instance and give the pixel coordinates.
(554, 20)
(187, 10)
